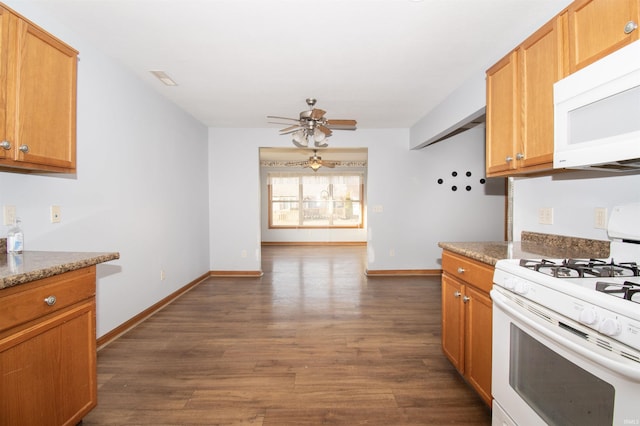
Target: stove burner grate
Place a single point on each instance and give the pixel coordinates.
(626, 290)
(580, 268)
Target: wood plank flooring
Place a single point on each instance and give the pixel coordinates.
(312, 342)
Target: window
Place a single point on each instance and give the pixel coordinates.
(315, 201)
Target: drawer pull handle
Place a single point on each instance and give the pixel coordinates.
(460, 270)
(466, 299)
(51, 300)
(457, 294)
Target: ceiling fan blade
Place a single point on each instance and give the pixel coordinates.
(317, 113)
(342, 124)
(297, 163)
(327, 132)
(282, 118)
(329, 164)
(289, 129)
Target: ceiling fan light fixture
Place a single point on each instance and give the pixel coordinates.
(300, 138)
(318, 135)
(313, 126)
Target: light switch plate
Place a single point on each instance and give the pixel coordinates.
(9, 215)
(600, 218)
(545, 216)
(56, 214)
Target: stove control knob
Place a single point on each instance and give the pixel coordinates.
(522, 287)
(510, 284)
(588, 316)
(610, 327)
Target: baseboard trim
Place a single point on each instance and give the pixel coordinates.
(402, 272)
(314, 243)
(236, 274)
(109, 337)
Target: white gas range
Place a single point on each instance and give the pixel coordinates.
(566, 335)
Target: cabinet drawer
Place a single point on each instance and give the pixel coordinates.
(26, 302)
(473, 272)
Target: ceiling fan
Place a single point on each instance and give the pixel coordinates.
(314, 162)
(312, 125)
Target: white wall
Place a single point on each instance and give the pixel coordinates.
(416, 213)
(140, 188)
(573, 197)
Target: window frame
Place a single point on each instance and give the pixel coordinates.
(300, 201)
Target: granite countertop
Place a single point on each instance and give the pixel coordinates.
(532, 245)
(29, 266)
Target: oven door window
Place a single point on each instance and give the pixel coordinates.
(557, 389)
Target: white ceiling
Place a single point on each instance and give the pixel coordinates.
(385, 63)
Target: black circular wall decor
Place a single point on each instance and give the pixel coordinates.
(468, 174)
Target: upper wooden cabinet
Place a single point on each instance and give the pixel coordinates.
(520, 86)
(37, 97)
(599, 27)
(520, 103)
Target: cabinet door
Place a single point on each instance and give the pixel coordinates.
(42, 82)
(48, 371)
(597, 28)
(541, 65)
(453, 321)
(502, 115)
(4, 45)
(478, 327)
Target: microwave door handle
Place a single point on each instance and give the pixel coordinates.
(634, 374)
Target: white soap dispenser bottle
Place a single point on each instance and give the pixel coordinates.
(15, 238)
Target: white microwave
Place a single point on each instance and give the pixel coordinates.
(597, 114)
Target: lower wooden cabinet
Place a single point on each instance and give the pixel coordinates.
(48, 350)
(466, 319)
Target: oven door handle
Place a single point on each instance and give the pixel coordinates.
(631, 373)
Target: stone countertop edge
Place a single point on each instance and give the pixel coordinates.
(532, 245)
(30, 266)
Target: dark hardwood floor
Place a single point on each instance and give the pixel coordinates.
(312, 342)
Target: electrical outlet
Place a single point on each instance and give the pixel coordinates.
(9, 215)
(392, 253)
(56, 214)
(545, 215)
(243, 253)
(600, 218)
(162, 275)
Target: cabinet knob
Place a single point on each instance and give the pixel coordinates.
(460, 270)
(24, 148)
(508, 159)
(457, 294)
(630, 27)
(5, 145)
(51, 300)
(519, 156)
(466, 299)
